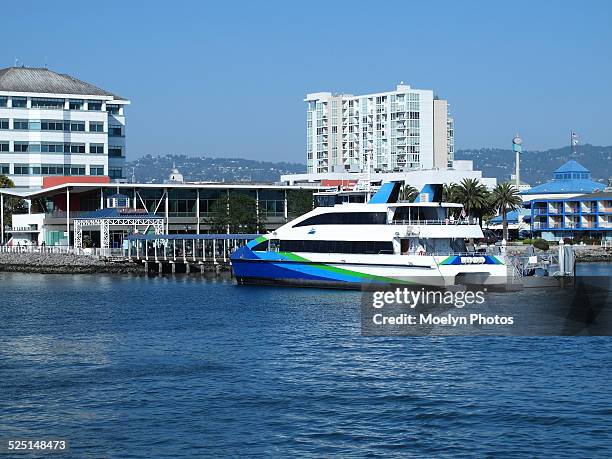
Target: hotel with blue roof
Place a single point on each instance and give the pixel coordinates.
(571, 205)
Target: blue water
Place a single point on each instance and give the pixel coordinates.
(183, 367)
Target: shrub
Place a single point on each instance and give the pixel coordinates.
(540, 244)
(527, 241)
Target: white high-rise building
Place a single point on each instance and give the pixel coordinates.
(399, 130)
(55, 125)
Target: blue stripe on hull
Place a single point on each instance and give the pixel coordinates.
(294, 271)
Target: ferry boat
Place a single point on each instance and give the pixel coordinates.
(380, 241)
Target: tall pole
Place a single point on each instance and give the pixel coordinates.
(517, 147)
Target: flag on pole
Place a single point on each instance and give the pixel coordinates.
(574, 139)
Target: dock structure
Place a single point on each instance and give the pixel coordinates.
(185, 253)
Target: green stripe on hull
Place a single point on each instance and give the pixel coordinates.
(325, 267)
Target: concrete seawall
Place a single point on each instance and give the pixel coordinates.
(64, 263)
(584, 253)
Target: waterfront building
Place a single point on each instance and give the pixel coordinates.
(583, 215)
(53, 124)
(569, 205)
(186, 208)
(399, 130)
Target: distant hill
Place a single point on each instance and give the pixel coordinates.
(156, 169)
(538, 166)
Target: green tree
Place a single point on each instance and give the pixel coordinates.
(474, 196)
(6, 182)
(449, 192)
(505, 197)
(236, 213)
(408, 193)
(298, 203)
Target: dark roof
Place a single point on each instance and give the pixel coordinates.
(112, 212)
(572, 166)
(29, 79)
(596, 195)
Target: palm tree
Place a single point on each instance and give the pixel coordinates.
(449, 192)
(473, 195)
(505, 197)
(408, 193)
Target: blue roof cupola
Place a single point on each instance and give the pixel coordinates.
(572, 170)
(572, 177)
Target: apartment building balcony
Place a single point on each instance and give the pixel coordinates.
(604, 206)
(571, 208)
(589, 207)
(540, 210)
(554, 208)
(604, 224)
(572, 224)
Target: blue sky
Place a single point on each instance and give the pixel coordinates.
(228, 78)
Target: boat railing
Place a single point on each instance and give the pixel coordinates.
(466, 221)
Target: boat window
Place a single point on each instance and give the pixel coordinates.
(416, 213)
(439, 246)
(261, 247)
(346, 218)
(363, 247)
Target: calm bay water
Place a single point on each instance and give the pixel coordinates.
(184, 367)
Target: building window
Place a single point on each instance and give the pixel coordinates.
(52, 125)
(94, 105)
(115, 173)
(21, 169)
(75, 126)
(112, 109)
(19, 102)
(20, 124)
(96, 127)
(4, 146)
(114, 131)
(53, 169)
(96, 170)
(77, 148)
(21, 147)
(4, 124)
(74, 104)
(4, 169)
(52, 148)
(38, 102)
(96, 148)
(77, 170)
(3, 101)
(114, 152)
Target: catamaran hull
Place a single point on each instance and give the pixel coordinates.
(272, 268)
